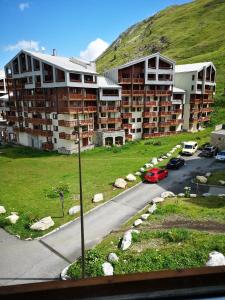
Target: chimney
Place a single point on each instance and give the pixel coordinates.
(53, 52)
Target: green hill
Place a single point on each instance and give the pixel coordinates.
(187, 33)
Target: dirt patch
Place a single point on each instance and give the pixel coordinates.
(146, 244)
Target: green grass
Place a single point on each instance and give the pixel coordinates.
(215, 177)
(151, 250)
(27, 175)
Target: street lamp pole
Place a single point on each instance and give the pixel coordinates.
(81, 205)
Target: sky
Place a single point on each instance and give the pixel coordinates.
(73, 27)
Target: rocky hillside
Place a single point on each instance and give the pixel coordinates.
(187, 33)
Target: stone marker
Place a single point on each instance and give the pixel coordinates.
(74, 209)
(167, 194)
(43, 224)
(201, 179)
(145, 216)
(157, 200)
(98, 197)
(112, 257)
(120, 183)
(215, 259)
(138, 222)
(2, 210)
(131, 177)
(13, 218)
(107, 269)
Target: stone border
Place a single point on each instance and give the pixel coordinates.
(205, 184)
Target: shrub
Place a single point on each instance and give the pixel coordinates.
(175, 235)
(54, 191)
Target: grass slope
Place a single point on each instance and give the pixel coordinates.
(187, 33)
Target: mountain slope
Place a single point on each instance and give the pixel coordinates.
(191, 32)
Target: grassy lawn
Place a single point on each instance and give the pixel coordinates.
(216, 176)
(165, 247)
(28, 175)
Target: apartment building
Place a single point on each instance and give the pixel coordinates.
(4, 105)
(51, 94)
(198, 80)
(147, 108)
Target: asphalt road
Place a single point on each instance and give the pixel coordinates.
(40, 260)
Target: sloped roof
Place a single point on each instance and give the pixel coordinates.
(66, 63)
(104, 82)
(192, 67)
(177, 90)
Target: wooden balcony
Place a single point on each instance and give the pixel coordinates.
(149, 125)
(127, 126)
(148, 114)
(40, 109)
(76, 110)
(40, 97)
(165, 113)
(137, 104)
(163, 93)
(177, 111)
(125, 80)
(47, 146)
(73, 137)
(14, 118)
(128, 137)
(73, 96)
(209, 92)
(138, 92)
(170, 123)
(19, 129)
(208, 109)
(89, 109)
(126, 92)
(196, 101)
(150, 92)
(109, 120)
(90, 97)
(150, 103)
(125, 103)
(165, 103)
(109, 109)
(208, 101)
(74, 123)
(195, 110)
(37, 121)
(36, 132)
(138, 80)
(126, 115)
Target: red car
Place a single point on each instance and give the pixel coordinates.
(154, 175)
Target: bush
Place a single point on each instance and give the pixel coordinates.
(54, 191)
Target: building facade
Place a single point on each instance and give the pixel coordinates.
(49, 96)
(4, 106)
(199, 82)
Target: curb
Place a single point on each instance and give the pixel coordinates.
(63, 274)
(210, 185)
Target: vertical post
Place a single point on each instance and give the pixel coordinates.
(81, 205)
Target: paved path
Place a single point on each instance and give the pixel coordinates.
(31, 261)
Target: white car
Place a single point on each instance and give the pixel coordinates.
(189, 148)
(220, 156)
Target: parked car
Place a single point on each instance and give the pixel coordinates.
(155, 174)
(220, 156)
(175, 163)
(209, 151)
(189, 148)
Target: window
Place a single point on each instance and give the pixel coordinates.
(133, 120)
(59, 75)
(55, 116)
(132, 130)
(103, 115)
(155, 108)
(138, 108)
(138, 119)
(75, 77)
(138, 129)
(36, 65)
(103, 126)
(55, 140)
(88, 79)
(55, 128)
(29, 65)
(133, 109)
(193, 77)
(15, 65)
(192, 88)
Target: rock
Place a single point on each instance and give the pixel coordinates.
(167, 194)
(164, 157)
(138, 173)
(168, 154)
(221, 195)
(43, 224)
(74, 209)
(134, 231)
(13, 218)
(112, 257)
(2, 210)
(120, 183)
(98, 198)
(64, 275)
(142, 170)
(215, 259)
(130, 177)
(107, 269)
(154, 161)
(178, 146)
(126, 241)
(172, 151)
(206, 195)
(157, 200)
(14, 213)
(148, 165)
(222, 182)
(145, 216)
(160, 159)
(138, 222)
(181, 195)
(208, 174)
(152, 208)
(201, 179)
(193, 195)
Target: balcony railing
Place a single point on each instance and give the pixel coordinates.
(37, 121)
(208, 101)
(109, 120)
(126, 103)
(150, 103)
(207, 109)
(14, 118)
(109, 109)
(149, 125)
(90, 97)
(40, 109)
(139, 92)
(36, 132)
(128, 137)
(148, 114)
(47, 146)
(72, 137)
(165, 113)
(74, 123)
(126, 126)
(126, 115)
(137, 104)
(126, 92)
(165, 103)
(208, 91)
(196, 101)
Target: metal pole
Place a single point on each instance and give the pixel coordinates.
(81, 206)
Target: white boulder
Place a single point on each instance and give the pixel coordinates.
(164, 156)
(142, 170)
(13, 218)
(160, 159)
(221, 195)
(145, 216)
(154, 161)
(138, 222)
(178, 146)
(107, 269)
(112, 257)
(206, 195)
(138, 173)
(152, 208)
(43, 224)
(222, 182)
(193, 195)
(130, 177)
(134, 231)
(126, 241)
(168, 154)
(74, 209)
(98, 197)
(215, 259)
(157, 200)
(208, 174)
(2, 210)
(148, 165)
(167, 194)
(181, 195)
(201, 179)
(120, 183)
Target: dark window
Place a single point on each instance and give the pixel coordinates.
(133, 120)
(55, 140)
(55, 117)
(47, 73)
(74, 77)
(193, 77)
(29, 65)
(138, 119)
(36, 65)
(15, 66)
(59, 75)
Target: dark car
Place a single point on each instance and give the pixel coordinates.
(175, 163)
(209, 151)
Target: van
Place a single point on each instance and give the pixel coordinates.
(189, 148)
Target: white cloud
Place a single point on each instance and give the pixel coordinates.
(94, 49)
(26, 45)
(24, 5)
